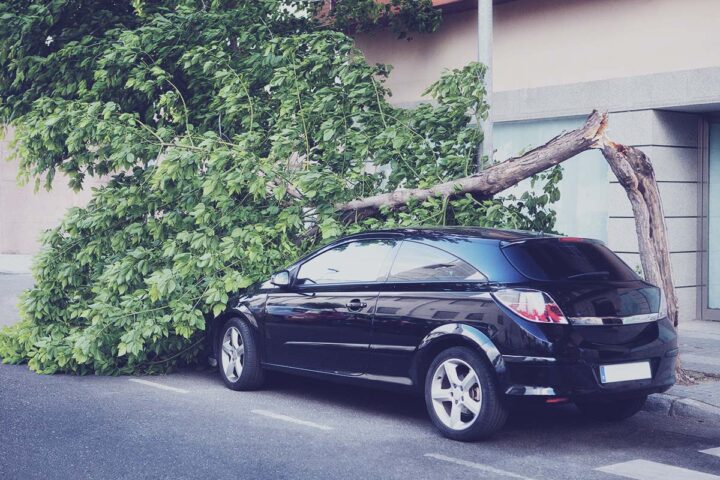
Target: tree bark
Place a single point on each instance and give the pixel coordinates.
(497, 177)
(629, 164)
(637, 176)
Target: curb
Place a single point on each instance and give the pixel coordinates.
(674, 406)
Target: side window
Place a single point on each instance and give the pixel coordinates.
(422, 263)
(355, 262)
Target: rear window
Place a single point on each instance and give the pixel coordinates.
(556, 259)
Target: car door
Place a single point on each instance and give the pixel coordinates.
(426, 288)
(323, 321)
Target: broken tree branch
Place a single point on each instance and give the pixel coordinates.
(497, 177)
(630, 165)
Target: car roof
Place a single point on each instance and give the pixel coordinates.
(463, 242)
(427, 233)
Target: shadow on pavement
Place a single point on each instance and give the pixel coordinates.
(523, 414)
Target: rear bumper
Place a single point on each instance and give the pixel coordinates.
(564, 360)
(549, 376)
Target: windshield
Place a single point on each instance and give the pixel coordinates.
(567, 259)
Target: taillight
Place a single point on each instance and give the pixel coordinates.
(572, 240)
(531, 305)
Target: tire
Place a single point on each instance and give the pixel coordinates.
(238, 360)
(612, 410)
(480, 411)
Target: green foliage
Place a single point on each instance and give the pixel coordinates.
(229, 130)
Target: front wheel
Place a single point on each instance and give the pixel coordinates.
(611, 410)
(238, 356)
(462, 396)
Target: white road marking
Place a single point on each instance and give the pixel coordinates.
(158, 385)
(712, 451)
(296, 421)
(476, 466)
(646, 470)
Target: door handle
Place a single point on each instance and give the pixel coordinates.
(355, 305)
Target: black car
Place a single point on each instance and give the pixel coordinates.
(466, 316)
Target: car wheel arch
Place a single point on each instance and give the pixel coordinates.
(454, 335)
(240, 311)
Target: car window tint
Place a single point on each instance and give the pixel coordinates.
(422, 263)
(355, 262)
(554, 259)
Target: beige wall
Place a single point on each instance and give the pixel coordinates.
(537, 43)
(635, 58)
(554, 42)
(419, 62)
(24, 213)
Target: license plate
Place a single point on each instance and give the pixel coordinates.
(624, 372)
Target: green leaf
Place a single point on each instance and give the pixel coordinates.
(219, 141)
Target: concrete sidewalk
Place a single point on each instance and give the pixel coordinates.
(699, 354)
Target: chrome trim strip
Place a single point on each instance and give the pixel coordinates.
(526, 359)
(611, 321)
(361, 346)
(392, 348)
(528, 390)
(387, 379)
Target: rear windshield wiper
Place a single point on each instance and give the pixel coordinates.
(588, 275)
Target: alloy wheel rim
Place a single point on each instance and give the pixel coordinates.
(233, 354)
(456, 394)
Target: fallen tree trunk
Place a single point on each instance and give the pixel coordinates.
(496, 178)
(629, 164)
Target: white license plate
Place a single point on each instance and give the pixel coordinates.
(623, 372)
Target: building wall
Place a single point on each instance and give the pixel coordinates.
(554, 42)
(557, 59)
(557, 42)
(24, 213)
(584, 189)
(671, 140)
(710, 186)
(417, 63)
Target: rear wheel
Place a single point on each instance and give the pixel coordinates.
(611, 410)
(461, 395)
(238, 356)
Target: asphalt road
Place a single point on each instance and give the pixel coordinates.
(188, 425)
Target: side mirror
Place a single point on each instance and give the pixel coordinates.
(281, 279)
